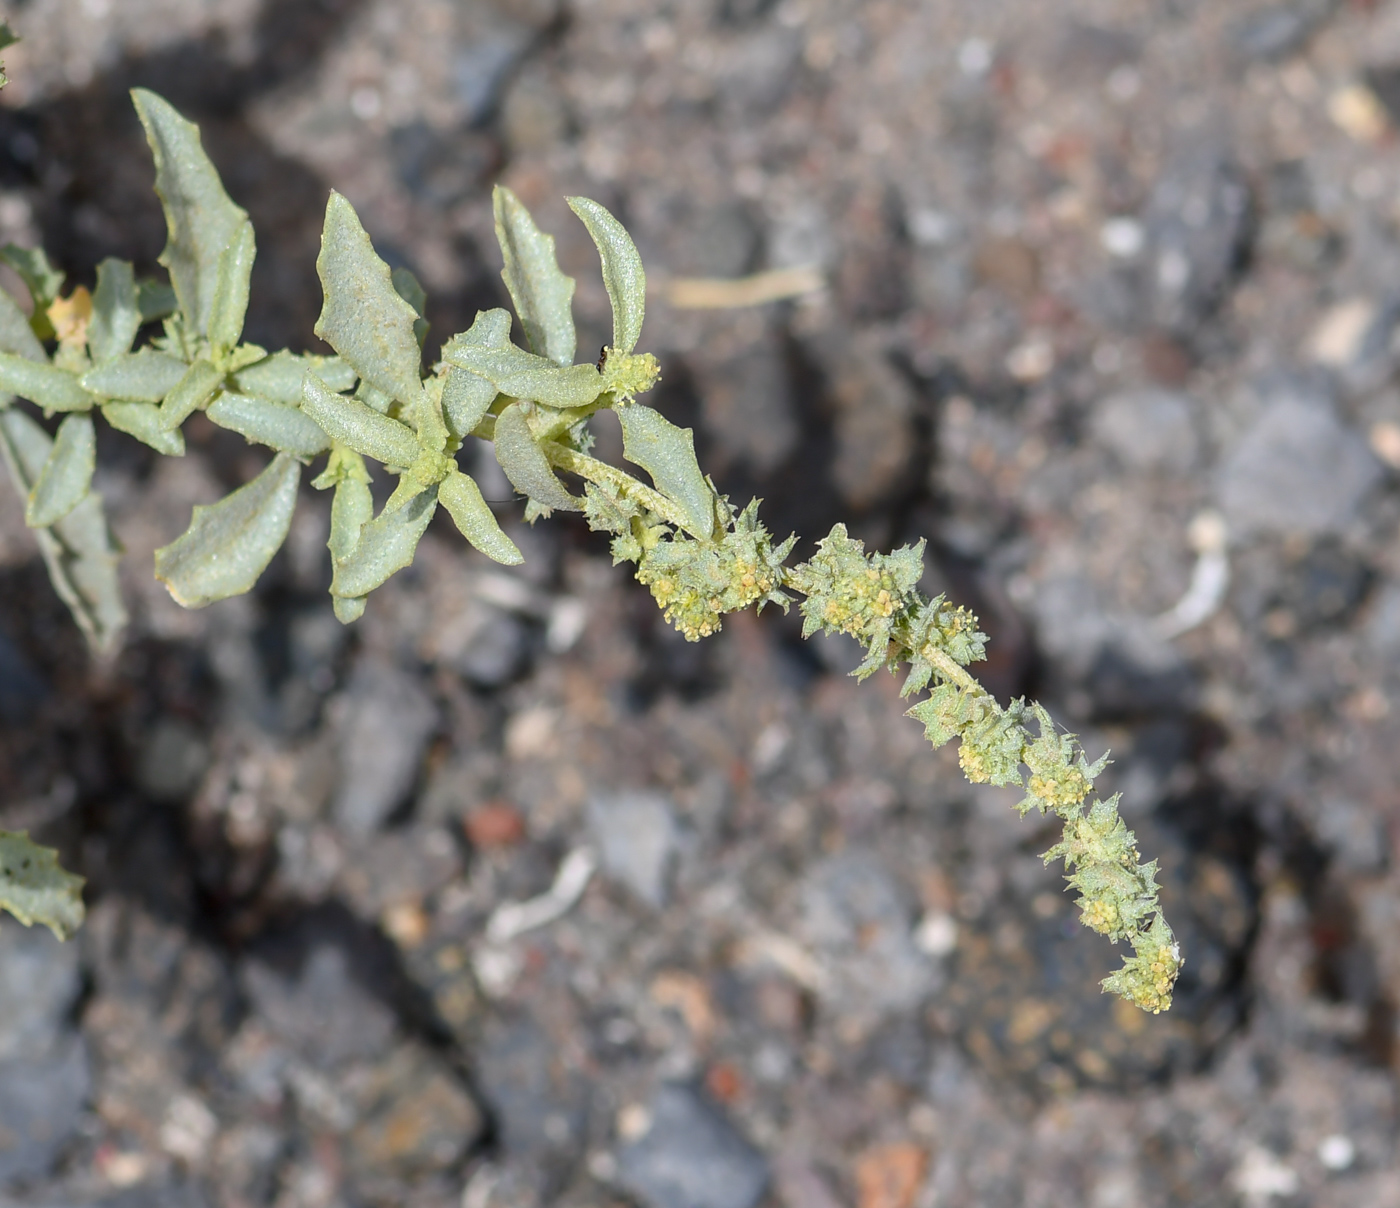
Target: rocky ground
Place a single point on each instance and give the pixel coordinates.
(509, 898)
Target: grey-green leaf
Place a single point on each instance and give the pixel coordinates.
(79, 551)
(667, 453)
(200, 219)
(156, 300)
(67, 474)
(35, 889)
(229, 543)
(363, 317)
(191, 392)
(52, 388)
(231, 276)
(352, 507)
(521, 374)
(116, 311)
(41, 279)
(142, 420)
(278, 377)
(386, 545)
(466, 398)
(282, 428)
(408, 287)
(543, 295)
(358, 425)
(622, 271)
(462, 498)
(525, 465)
(16, 335)
(146, 376)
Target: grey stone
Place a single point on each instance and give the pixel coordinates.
(172, 759)
(717, 242)
(1149, 429)
(497, 650)
(859, 921)
(41, 1099)
(483, 61)
(384, 727)
(539, 1102)
(323, 1014)
(1196, 221)
(874, 427)
(637, 836)
(1382, 631)
(691, 1157)
(1354, 835)
(1298, 469)
(39, 983)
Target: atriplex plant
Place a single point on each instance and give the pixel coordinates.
(700, 556)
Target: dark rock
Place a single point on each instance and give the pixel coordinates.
(384, 728)
(497, 650)
(1149, 429)
(172, 758)
(534, 116)
(691, 1157)
(322, 1013)
(718, 242)
(1277, 30)
(637, 836)
(1197, 222)
(1384, 81)
(22, 688)
(1323, 586)
(874, 428)
(1298, 469)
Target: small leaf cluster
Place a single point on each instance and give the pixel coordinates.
(374, 402)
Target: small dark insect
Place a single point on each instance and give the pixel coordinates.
(602, 357)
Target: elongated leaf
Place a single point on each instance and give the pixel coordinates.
(35, 889)
(363, 317)
(16, 336)
(52, 388)
(352, 506)
(667, 453)
(543, 295)
(523, 375)
(622, 271)
(116, 312)
(527, 468)
(156, 300)
(466, 397)
(490, 329)
(143, 377)
(196, 388)
(462, 498)
(142, 420)
(264, 423)
(386, 545)
(278, 377)
(230, 301)
(229, 543)
(41, 279)
(408, 287)
(67, 474)
(199, 217)
(79, 551)
(358, 425)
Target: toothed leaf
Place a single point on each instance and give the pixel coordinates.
(525, 465)
(229, 543)
(67, 474)
(543, 295)
(35, 889)
(623, 276)
(667, 453)
(142, 420)
(116, 313)
(285, 429)
(200, 219)
(146, 376)
(462, 498)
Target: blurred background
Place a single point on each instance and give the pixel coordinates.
(1101, 300)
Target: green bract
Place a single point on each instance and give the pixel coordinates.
(700, 557)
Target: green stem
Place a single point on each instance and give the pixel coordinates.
(619, 482)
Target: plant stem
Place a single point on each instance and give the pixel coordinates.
(619, 482)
